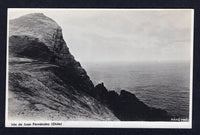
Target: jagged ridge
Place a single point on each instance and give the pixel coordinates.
(126, 106)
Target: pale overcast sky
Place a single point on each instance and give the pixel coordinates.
(123, 35)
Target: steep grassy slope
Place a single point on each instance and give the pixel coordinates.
(37, 93)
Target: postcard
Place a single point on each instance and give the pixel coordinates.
(99, 68)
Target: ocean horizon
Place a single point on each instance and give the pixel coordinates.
(162, 85)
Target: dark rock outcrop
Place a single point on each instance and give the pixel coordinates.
(30, 47)
(126, 106)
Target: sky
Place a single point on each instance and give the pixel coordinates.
(105, 35)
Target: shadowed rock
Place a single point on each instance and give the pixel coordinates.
(126, 106)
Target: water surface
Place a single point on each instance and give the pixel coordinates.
(158, 84)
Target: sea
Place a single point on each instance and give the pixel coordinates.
(164, 85)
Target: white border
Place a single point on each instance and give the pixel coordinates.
(106, 124)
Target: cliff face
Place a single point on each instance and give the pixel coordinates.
(39, 37)
(47, 83)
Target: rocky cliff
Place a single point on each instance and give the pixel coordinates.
(46, 82)
(31, 28)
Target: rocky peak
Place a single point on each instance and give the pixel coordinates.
(36, 25)
(47, 33)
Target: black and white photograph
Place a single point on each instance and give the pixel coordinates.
(106, 68)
